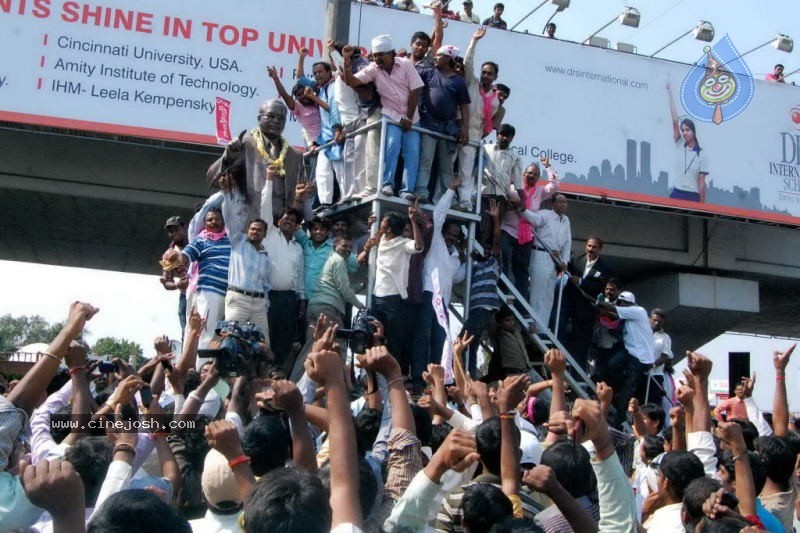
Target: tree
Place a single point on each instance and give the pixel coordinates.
(122, 348)
(21, 330)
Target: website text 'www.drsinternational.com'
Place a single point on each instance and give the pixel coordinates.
(596, 76)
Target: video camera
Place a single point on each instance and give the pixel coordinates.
(360, 338)
(239, 346)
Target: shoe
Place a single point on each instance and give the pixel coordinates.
(407, 196)
(322, 207)
(387, 190)
(463, 206)
(366, 193)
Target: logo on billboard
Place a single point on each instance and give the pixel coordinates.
(794, 114)
(719, 86)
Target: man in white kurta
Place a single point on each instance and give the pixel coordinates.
(552, 232)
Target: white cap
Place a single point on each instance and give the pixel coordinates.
(448, 50)
(382, 43)
(626, 296)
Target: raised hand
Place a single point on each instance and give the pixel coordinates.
(462, 343)
(458, 451)
(272, 72)
(699, 364)
(781, 359)
(749, 384)
(54, 486)
(347, 51)
(195, 325)
(286, 396)
(325, 367)
(79, 314)
(555, 362)
(513, 392)
(378, 359)
(677, 417)
(604, 393)
(541, 478)
(223, 436)
(493, 209)
(303, 52)
(479, 33)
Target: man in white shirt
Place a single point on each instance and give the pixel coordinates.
(630, 364)
(286, 279)
(551, 250)
(677, 469)
(391, 277)
(443, 257)
(467, 15)
(663, 354)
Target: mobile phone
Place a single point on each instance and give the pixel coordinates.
(147, 396)
(106, 367)
(729, 500)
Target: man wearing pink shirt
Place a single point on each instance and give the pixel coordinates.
(732, 407)
(398, 85)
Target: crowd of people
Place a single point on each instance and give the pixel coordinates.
(277, 417)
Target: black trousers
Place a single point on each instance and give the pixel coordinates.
(282, 318)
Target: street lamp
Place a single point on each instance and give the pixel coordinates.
(781, 42)
(704, 31)
(561, 5)
(630, 16)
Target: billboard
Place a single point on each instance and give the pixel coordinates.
(185, 70)
(190, 71)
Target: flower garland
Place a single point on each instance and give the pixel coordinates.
(277, 164)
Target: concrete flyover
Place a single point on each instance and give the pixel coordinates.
(94, 201)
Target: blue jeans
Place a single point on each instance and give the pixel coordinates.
(182, 312)
(408, 142)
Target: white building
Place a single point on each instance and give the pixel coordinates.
(741, 354)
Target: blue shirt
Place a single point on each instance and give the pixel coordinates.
(440, 101)
(328, 121)
(249, 266)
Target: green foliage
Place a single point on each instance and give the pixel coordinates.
(122, 348)
(21, 330)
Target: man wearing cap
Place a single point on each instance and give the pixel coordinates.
(443, 98)
(496, 21)
(632, 363)
(174, 277)
(467, 15)
(398, 84)
(221, 492)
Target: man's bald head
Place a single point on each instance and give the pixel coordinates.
(272, 118)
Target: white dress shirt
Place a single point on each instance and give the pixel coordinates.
(286, 256)
(502, 168)
(439, 256)
(551, 229)
(391, 266)
(637, 333)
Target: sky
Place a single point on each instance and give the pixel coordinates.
(749, 23)
(132, 306)
(136, 307)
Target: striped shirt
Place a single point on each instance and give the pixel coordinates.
(484, 285)
(213, 258)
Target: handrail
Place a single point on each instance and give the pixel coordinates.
(364, 129)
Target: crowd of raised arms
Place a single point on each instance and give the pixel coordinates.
(274, 415)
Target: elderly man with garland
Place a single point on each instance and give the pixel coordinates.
(264, 146)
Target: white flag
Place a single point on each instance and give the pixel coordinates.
(442, 318)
